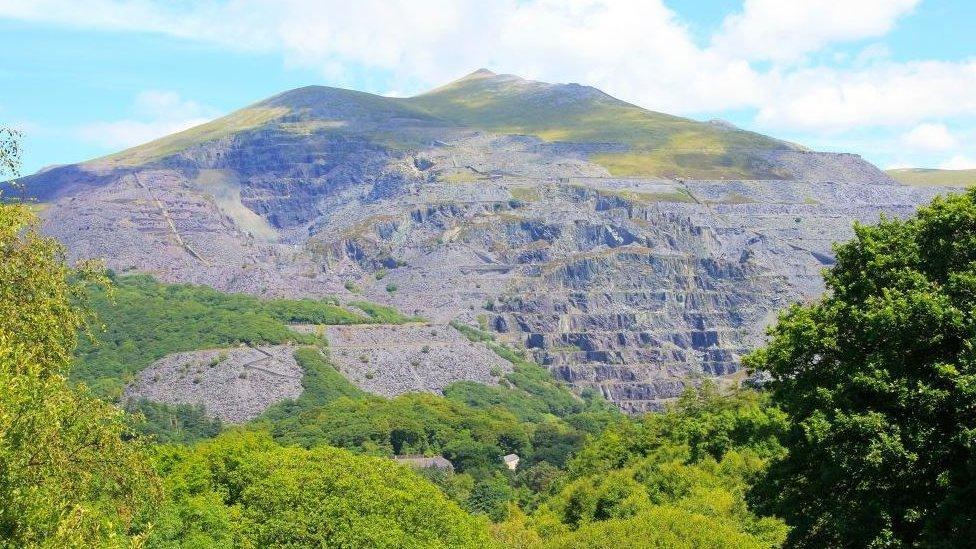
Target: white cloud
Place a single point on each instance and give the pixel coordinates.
(959, 162)
(638, 50)
(156, 113)
(884, 94)
(784, 30)
(930, 137)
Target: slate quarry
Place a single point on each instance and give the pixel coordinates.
(633, 284)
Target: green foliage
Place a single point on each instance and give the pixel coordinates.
(879, 379)
(321, 384)
(68, 478)
(243, 490)
(309, 311)
(672, 479)
(9, 152)
(183, 424)
(145, 320)
(381, 314)
(926, 177)
(659, 144)
(537, 394)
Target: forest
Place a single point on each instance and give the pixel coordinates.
(861, 433)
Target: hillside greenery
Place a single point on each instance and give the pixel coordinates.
(643, 142)
(142, 320)
(863, 435)
(676, 479)
(879, 379)
(654, 143)
(926, 177)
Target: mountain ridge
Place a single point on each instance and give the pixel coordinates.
(636, 141)
(496, 203)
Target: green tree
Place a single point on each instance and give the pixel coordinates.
(67, 476)
(879, 379)
(243, 490)
(675, 479)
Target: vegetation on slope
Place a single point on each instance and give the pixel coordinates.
(879, 379)
(932, 177)
(235, 122)
(71, 475)
(243, 490)
(862, 438)
(144, 320)
(676, 479)
(529, 390)
(655, 143)
(68, 478)
(638, 141)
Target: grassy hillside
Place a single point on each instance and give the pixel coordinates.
(660, 144)
(234, 122)
(144, 320)
(650, 143)
(926, 177)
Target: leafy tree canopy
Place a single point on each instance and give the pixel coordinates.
(244, 490)
(879, 379)
(67, 477)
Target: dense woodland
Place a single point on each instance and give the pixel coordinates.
(862, 435)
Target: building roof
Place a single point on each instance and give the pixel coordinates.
(510, 458)
(424, 462)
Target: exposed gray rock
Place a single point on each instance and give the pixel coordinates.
(393, 360)
(630, 286)
(234, 384)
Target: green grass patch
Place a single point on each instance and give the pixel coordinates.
(525, 194)
(536, 393)
(381, 314)
(660, 144)
(234, 122)
(678, 195)
(145, 320)
(321, 384)
(931, 177)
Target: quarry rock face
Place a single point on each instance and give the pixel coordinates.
(234, 384)
(632, 285)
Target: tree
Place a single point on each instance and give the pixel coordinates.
(67, 476)
(879, 379)
(244, 490)
(674, 479)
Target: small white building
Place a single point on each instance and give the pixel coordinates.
(511, 461)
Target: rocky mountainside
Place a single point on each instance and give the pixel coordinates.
(630, 251)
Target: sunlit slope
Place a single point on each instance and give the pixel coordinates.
(624, 138)
(649, 143)
(924, 177)
(225, 126)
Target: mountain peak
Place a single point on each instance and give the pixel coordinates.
(480, 73)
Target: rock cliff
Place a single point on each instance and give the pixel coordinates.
(631, 252)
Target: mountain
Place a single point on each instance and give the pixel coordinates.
(923, 176)
(629, 252)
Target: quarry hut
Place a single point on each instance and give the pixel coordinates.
(511, 461)
(424, 462)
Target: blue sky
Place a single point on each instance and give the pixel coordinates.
(893, 80)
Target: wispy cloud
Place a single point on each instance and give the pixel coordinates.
(959, 162)
(786, 31)
(762, 58)
(155, 113)
(930, 137)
